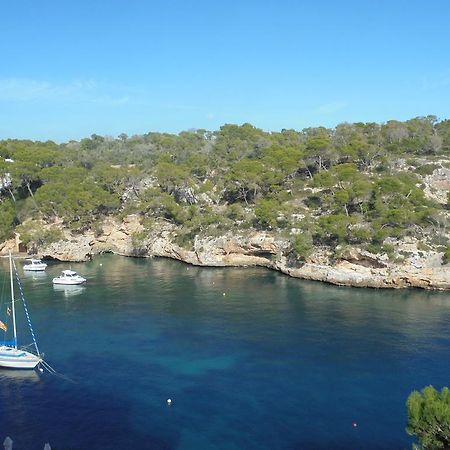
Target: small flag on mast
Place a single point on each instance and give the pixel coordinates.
(3, 326)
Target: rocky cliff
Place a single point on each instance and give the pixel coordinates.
(354, 267)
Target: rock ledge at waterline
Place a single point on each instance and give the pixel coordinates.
(354, 268)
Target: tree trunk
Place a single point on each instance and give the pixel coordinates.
(320, 163)
(245, 197)
(12, 195)
(32, 196)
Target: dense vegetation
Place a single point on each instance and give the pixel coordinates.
(429, 418)
(357, 184)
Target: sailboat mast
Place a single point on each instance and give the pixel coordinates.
(12, 301)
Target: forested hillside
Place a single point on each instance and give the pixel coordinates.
(360, 184)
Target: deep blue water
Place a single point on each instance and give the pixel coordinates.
(275, 363)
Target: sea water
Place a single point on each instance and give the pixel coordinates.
(251, 359)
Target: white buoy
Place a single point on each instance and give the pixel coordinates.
(169, 402)
(224, 294)
(8, 443)
(101, 264)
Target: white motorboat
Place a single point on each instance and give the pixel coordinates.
(11, 356)
(69, 277)
(35, 265)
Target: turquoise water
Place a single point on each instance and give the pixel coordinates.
(275, 363)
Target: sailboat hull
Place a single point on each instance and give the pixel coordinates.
(17, 359)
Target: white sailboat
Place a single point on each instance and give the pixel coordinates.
(11, 356)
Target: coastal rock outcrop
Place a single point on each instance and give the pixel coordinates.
(117, 237)
(437, 185)
(11, 245)
(362, 258)
(347, 274)
(354, 267)
(75, 248)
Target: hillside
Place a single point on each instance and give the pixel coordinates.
(368, 200)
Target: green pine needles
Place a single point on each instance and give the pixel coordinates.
(429, 418)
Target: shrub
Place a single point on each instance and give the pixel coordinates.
(426, 169)
(33, 234)
(206, 186)
(303, 245)
(138, 241)
(235, 211)
(423, 246)
(446, 257)
(266, 212)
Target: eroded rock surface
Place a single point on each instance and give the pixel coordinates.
(355, 267)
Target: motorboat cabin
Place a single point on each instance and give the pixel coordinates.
(69, 277)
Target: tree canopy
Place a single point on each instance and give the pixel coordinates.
(357, 183)
(429, 417)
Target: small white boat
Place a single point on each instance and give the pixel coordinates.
(11, 356)
(69, 277)
(35, 265)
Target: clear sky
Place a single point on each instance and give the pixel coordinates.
(73, 68)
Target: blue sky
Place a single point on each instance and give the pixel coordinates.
(73, 68)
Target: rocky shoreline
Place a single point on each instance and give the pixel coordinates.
(354, 268)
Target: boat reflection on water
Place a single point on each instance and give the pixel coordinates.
(34, 275)
(69, 290)
(19, 375)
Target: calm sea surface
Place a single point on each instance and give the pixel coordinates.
(250, 358)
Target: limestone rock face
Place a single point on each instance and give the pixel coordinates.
(347, 274)
(132, 192)
(117, 237)
(362, 258)
(257, 249)
(8, 246)
(73, 249)
(355, 267)
(437, 185)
